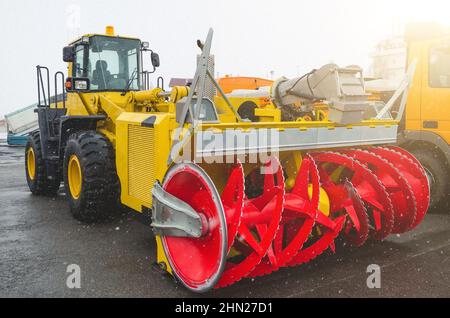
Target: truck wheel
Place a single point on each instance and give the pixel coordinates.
(90, 178)
(247, 111)
(437, 174)
(35, 168)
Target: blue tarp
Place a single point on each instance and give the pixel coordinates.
(14, 140)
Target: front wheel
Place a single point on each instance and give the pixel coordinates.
(437, 174)
(90, 177)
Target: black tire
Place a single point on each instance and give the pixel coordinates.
(247, 111)
(99, 196)
(438, 174)
(39, 184)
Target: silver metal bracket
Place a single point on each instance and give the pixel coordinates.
(201, 75)
(402, 91)
(173, 217)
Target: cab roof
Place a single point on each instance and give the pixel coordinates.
(109, 33)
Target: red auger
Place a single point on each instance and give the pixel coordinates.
(372, 193)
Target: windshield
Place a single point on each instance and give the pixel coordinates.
(109, 63)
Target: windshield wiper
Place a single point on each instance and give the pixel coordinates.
(130, 81)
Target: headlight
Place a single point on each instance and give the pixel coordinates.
(81, 85)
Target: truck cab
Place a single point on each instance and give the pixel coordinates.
(426, 126)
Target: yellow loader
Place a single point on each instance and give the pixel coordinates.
(226, 197)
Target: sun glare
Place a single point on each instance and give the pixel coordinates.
(420, 11)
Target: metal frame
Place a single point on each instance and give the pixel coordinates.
(402, 91)
(55, 133)
(289, 139)
(198, 82)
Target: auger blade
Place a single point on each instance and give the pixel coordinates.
(299, 216)
(356, 231)
(233, 201)
(368, 187)
(401, 194)
(252, 243)
(344, 198)
(325, 229)
(413, 171)
(325, 241)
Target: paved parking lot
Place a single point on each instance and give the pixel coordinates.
(39, 239)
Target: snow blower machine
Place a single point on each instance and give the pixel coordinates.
(233, 186)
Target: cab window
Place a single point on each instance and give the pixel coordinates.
(440, 66)
(110, 63)
(80, 67)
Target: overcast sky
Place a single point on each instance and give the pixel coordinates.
(252, 37)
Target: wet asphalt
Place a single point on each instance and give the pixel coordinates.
(39, 239)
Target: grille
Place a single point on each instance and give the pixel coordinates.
(210, 89)
(141, 163)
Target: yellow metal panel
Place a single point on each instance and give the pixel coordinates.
(426, 103)
(413, 105)
(141, 156)
(75, 106)
(268, 114)
(141, 149)
(434, 100)
(299, 125)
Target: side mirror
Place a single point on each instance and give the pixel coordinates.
(68, 54)
(155, 60)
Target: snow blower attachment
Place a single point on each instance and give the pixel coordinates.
(253, 219)
(230, 196)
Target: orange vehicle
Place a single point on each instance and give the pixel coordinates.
(229, 84)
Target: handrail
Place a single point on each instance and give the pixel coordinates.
(160, 82)
(61, 74)
(40, 81)
(45, 97)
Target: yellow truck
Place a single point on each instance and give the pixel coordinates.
(425, 128)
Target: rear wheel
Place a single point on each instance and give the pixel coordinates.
(35, 169)
(437, 174)
(90, 178)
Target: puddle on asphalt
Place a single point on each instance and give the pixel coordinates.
(11, 155)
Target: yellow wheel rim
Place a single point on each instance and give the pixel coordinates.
(74, 176)
(31, 163)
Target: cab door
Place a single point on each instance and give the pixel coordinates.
(435, 99)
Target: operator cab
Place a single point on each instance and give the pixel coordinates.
(107, 63)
